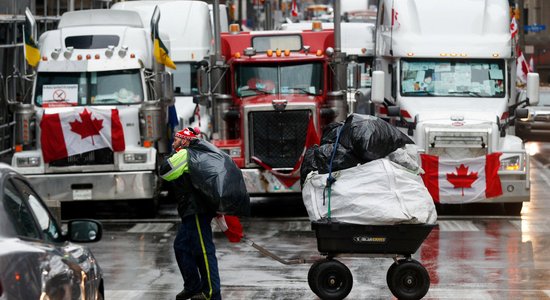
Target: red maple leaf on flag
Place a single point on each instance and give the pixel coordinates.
(87, 127)
(462, 179)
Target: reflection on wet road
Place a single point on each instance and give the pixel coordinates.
(466, 257)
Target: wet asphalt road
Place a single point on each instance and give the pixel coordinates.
(466, 257)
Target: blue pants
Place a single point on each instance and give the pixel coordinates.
(196, 256)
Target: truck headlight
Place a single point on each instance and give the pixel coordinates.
(512, 163)
(232, 152)
(134, 158)
(25, 162)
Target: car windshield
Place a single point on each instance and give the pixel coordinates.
(185, 78)
(88, 88)
(255, 79)
(453, 78)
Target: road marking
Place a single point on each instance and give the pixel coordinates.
(150, 227)
(457, 226)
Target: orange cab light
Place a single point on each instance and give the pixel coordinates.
(319, 52)
(237, 55)
(132, 55)
(287, 52)
(79, 57)
(147, 144)
(44, 58)
(17, 276)
(234, 28)
(18, 148)
(88, 56)
(316, 26)
(278, 52)
(270, 53)
(97, 56)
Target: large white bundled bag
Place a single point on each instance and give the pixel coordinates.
(379, 192)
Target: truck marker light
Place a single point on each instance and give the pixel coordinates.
(363, 50)
(278, 52)
(269, 53)
(96, 56)
(454, 54)
(147, 144)
(442, 54)
(44, 58)
(88, 56)
(192, 55)
(237, 55)
(18, 148)
(463, 54)
(287, 52)
(17, 276)
(496, 55)
(234, 28)
(319, 52)
(410, 54)
(316, 26)
(79, 57)
(132, 55)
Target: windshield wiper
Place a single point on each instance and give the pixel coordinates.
(422, 93)
(303, 90)
(469, 93)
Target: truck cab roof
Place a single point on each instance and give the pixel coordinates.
(105, 18)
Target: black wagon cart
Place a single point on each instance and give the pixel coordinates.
(407, 278)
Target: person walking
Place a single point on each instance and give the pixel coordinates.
(193, 246)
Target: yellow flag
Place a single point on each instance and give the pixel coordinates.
(32, 54)
(161, 53)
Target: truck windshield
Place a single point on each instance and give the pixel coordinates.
(253, 80)
(453, 78)
(88, 88)
(185, 78)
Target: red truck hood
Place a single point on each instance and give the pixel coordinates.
(291, 98)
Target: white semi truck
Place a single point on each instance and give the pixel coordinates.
(189, 27)
(95, 123)
(445, 74)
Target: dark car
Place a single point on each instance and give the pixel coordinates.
(536, 127)
(37, 259)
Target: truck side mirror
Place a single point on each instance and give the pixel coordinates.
(202, 93)
(167, 81)
(522, 113)
(533, 88)
(377, 90)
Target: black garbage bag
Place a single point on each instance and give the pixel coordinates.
(317, 158)
(216, 175)
(371, 138)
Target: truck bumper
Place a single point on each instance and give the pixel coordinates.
(95, 186)
(262, 181)
(513, 190)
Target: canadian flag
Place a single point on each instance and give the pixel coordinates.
(80, 130)
(394, 20)
(462, 181)
(294, 9)
(231, 227)
(522, 67)
(514, 28)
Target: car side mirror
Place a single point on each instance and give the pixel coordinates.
(84, 231)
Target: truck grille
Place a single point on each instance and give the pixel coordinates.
(97, 157)
(278, 137)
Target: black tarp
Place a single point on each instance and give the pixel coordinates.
(216, 175)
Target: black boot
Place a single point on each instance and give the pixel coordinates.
(184, 295)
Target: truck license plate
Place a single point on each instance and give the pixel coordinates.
(82, 194)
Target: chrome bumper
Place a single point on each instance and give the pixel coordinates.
(95, 186)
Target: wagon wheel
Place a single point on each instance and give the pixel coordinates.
(331, 280)
(408, 280)
(311, 274)
(389, 274)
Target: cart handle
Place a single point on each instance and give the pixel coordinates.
(268, 253)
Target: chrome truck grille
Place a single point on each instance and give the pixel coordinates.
(97, 157)
(277, 138)
(457, 143)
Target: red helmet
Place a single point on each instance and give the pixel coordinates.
(188, 133)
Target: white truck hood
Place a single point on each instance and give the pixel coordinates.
(458, 109)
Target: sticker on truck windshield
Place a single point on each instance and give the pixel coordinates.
(60, 94)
